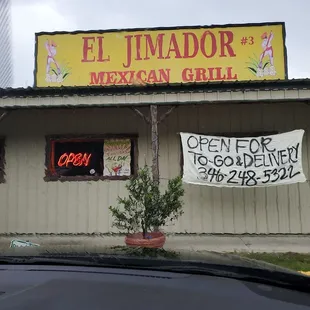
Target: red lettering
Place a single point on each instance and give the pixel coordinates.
(123, 79)
(167, 44)
(139, 77)
(201, 75)
(132, 76)
(111, 77)
(150, 47)
(219, 74)
(86, 159)
(211, 76)
(96, 78)
(152, 78)
(129, 77)
(78, 159)
(164, 75)
(226, 39)
(187, 75)
(62, 160)
(230, 74)
(138, 46)
(70, 159)
(87, 48)
(173, 47)
(208, 74)
(195, 50)
(127, 65)
(203, 44)
(208, 44)
(100, 51)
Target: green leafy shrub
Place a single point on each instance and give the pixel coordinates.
(146, 207)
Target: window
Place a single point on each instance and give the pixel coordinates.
(2, 160)
(91, 158)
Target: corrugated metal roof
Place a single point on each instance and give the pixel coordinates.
(156, 89)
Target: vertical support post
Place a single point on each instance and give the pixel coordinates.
(155, 143)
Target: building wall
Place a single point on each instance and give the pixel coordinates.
(6, 62)
(28, 204)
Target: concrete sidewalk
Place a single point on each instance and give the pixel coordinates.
(223, 243)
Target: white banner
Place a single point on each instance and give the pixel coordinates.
(243, 162)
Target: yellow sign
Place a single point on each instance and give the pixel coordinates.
(161, 56)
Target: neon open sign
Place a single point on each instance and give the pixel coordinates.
(75, 159)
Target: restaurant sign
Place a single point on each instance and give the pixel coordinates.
(161, 55)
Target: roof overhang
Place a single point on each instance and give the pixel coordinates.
(212, 93)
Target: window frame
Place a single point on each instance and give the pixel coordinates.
(238, 134)
(49, 156)
(2, 159)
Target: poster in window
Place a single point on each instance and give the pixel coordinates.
(117, 157)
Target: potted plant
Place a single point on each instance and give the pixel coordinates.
(146, 208)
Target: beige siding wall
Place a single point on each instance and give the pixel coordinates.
(30, 205)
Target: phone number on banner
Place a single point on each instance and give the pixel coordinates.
(248, 177)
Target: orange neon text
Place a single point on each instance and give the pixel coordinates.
(76, 159)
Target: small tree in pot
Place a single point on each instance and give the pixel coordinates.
(146, 209)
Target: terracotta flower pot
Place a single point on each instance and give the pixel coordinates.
(152, 240)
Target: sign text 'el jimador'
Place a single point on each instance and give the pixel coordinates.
(162, 56)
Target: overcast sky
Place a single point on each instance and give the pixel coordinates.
(30, 16)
